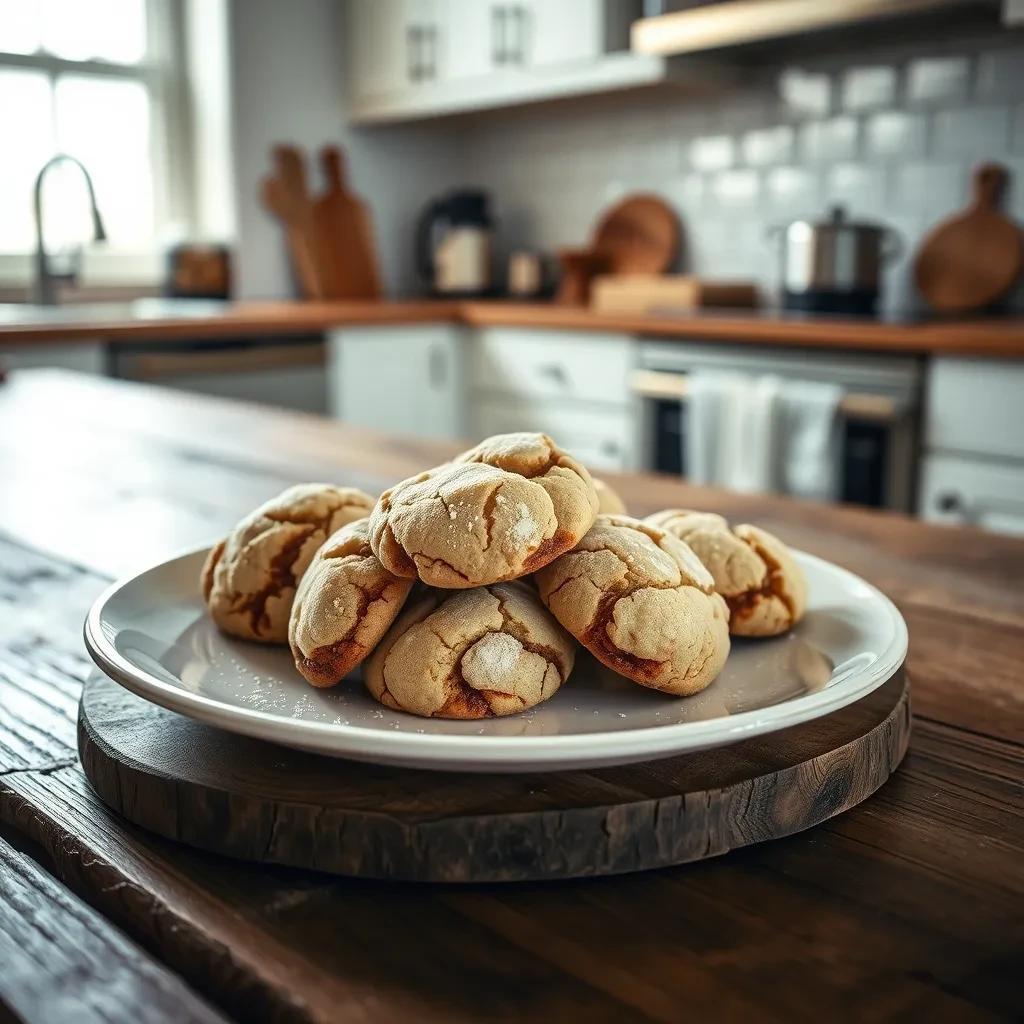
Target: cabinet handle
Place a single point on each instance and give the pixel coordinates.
(949, 501)
(517, 54)
(555, 373)
(437, 367)
(611, 448)
(430, 38)
(498, 22)
(412, 51)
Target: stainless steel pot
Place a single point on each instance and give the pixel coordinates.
(834, 266)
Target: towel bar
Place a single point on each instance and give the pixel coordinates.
(874, 408)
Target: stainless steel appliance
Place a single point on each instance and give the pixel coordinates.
(834, 265)
(453, 245)
(880, 410)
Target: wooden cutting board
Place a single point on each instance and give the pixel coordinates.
(330, 236)
(640, 293)
(639, 235)
(286, 195)
(974, 258)
(346, 235)
(245, 798)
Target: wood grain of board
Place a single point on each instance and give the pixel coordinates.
(909, 906)
(249, 799)
(61, 961)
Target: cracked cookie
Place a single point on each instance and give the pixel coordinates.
(475, 654)
(501, 510)
(248, 581)
(640, 601)
(344, 604)
(763, 585)
(608, 501)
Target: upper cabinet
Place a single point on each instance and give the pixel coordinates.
(414, 59)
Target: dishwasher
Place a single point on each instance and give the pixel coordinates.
(285, 371)
(880, 409)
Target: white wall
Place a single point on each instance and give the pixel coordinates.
(287, 85)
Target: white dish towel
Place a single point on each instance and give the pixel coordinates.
(763, 433)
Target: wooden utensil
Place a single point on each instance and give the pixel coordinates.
(346, 235)
(640, 235)
(973, 259)
(286, 196)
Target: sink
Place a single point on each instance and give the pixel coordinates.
(105, 312)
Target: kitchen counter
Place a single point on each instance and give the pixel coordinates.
(159, 320)
(907, 906)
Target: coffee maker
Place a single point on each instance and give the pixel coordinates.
(453, 245)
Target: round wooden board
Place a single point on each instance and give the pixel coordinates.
(257, 801)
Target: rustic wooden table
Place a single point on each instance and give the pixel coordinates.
(909, 905)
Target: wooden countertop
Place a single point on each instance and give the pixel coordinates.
(906, 907)
(156, 321)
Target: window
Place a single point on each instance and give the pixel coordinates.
(96, 79)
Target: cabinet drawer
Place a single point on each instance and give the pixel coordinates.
(975, 405)
(553, 364)
(599, 438)
(973, 492)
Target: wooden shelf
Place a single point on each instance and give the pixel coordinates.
(734, 22)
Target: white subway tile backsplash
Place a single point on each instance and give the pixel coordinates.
(712, 152)
(894, 133)
(888, 133)
(1000, 74)
(933, 187)
(805, 93)
(867, 87)
(859, 188)
(931, 79)
(981, 132)
(768, 145)
(832, 140)
(736, 189)
(793, 191)
(1017, 141)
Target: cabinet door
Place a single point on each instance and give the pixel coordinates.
(543, 32)
(469, 38)
(406, 380)
(973, 492)
(378, 48)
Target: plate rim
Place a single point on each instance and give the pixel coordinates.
(466, 751)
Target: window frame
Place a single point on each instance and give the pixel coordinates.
(163, 72)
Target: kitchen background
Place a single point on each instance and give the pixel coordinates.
(175, 105)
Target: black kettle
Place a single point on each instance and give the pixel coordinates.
(453, 245)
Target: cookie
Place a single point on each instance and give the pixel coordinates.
(608, 501)
(249, 579)
(640, 601)
(344, 604)
(765, 588)
(474, 654)
(502, 510)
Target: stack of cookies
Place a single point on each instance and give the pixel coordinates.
(465, 590)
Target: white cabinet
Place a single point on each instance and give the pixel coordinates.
(413, 59)
(572, 385)
(83, 357)
(407, 380)
(973, 469)
(973, 492)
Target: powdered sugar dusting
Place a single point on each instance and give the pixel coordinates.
(489, 663)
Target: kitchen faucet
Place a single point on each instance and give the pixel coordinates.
(45, 293)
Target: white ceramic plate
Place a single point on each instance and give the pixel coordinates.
(152, 635)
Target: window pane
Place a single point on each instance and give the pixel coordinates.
(113, 30)
(26, 123)
(19, 26)
(105, 123)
